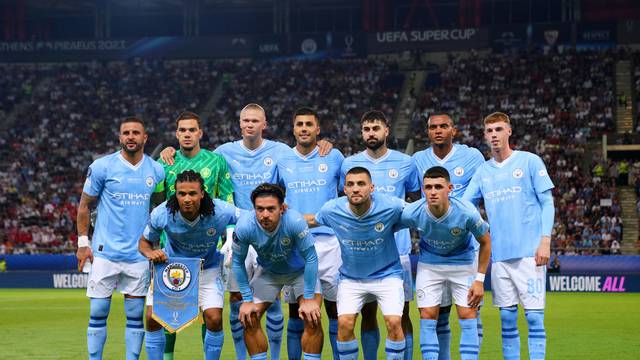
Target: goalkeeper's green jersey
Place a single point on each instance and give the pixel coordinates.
(211, 166)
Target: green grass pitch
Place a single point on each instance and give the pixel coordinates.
(51, 324)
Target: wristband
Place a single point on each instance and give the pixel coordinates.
(480, 277)
(83, 241)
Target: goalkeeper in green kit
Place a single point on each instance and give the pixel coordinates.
(211, 166)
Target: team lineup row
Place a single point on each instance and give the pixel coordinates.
(355, 255)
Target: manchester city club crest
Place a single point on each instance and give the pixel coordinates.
(379, 227)
(268, 161)
(323, 168)
(456, 231)
(176, 276)
(517, 173)
(149, 181)
(211, 231)
(285, 241)
(393, 173)
(459, 171)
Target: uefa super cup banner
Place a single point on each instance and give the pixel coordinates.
(175, 292)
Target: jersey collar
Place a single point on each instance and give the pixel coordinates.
(130, 165)
(354, 214)
(252, 152)
(506, 161)
(190, 223)
(443, 217)
(380, 159)
(446, 158)
(308, 156)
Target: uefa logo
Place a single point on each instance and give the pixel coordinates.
(323, 168)
(517, 173)
(176, 276)
(459, 171)
(268, 161)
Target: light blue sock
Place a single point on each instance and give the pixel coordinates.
(394, 350)
(134, 331)
(308, 356)
(510, 335)
(261, 356)
(154, 342)
(444, 336)
(469, 348)
(429, 339)
(348, 350)
(480, 330)
(213, 341)
(408, 352)
(333, 337)
(97, 329)
(295, 327)
(237, 331)
(275, 325)
(537, 335)
(370, 343)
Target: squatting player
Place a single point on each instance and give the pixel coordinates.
(310, 181)
(286, 257)
(211, 166)
(371, 270)
(516, 189)
(122, 183)
(394, 174)
(461, 161)
(192, 222)
(447, 257)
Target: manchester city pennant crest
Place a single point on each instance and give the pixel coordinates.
(175, 292)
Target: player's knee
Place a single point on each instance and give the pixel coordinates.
(346, 324)
(313, 329)
(213, 319)
(509, 316)
(99, 307)
(394, 327)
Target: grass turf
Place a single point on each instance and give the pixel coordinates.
(51, 324)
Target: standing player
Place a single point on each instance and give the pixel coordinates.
(393, 173)
(211, 166)
(286, 256)
(310, 181)
(516, 189)
(122, 183)
(447, 256)
(192, 222)
(461, 162)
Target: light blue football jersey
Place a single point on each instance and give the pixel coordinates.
(250, 168)
(310, 181)
(124, 193)
(448, 240)
(509, 192)
(367, 242)
(194, 239)
(392, 174)
(279, 251)
(461, 163)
